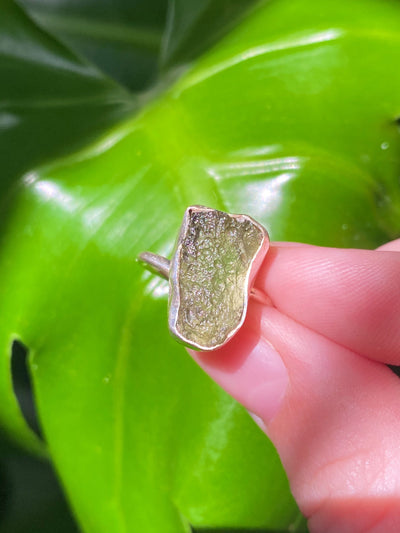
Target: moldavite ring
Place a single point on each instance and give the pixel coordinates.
(211, 273)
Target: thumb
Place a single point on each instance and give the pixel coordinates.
(333, 416)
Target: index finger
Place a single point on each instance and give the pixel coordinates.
(350, 296)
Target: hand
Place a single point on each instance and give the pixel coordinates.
(311, 368)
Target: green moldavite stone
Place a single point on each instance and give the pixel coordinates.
(210, 275)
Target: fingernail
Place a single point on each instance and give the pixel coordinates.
(260, 423)
(269, 381)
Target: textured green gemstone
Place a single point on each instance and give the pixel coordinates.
(210, 275)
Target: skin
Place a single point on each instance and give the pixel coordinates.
(311, 368)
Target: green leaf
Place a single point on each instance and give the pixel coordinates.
(195, 25)
(122, 38)
(50, 101)
(290, 118)
(50, 104)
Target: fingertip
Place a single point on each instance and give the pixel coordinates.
(392, 246)
(350, 296)
(250, 370)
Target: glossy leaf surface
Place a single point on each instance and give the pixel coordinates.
(291, 118)
(192, 26)
(123, 38)
(50, 103)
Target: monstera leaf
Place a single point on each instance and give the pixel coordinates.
(289, 117)
(122, 38)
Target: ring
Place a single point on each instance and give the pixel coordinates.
(211, 273)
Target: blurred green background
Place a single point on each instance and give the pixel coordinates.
(115, 115)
